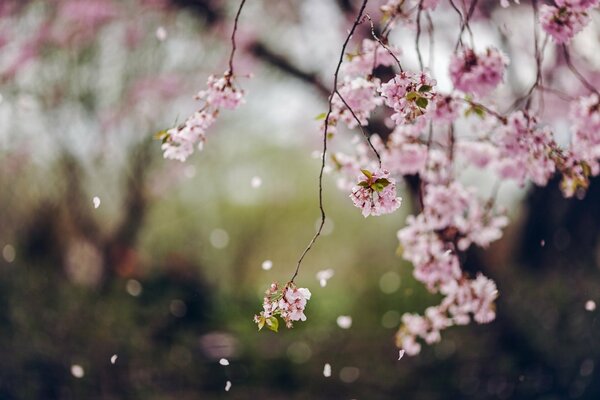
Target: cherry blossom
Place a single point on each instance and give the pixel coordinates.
(375, 193)
(562, 23)
(288, 303)
(410, 95)
(477, 73)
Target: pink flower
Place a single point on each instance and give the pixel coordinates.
(375, 193)
(288, 303)
(410, 95)
(178, 142)
(562, 23)
(585, 139)
(524, 150)
(221, 93)
(477, 73)
(578, 5)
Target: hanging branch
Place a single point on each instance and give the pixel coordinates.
(367, 137)
(578, 74)
(378, 39)
(465, 24)
(325, 129)
(233, 46)
(418, 36)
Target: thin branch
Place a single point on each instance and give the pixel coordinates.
(465, 24)
(418, 36)
(233, 46)
(578, 74)
(360, 126)
(378, 39)
(335, 88)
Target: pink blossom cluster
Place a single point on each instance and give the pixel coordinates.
(525, 149)
(375, 193)
(410, 95)
(288, 303)
(452, 219)
(565, 21)
(585, 139)
(475, 73)
(179, 141)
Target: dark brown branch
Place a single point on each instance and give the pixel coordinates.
(323, 156)
(365, 134)
(233, 47)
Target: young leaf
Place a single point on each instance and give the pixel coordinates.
(273, 324)
(367, 173)
(411, 96)
(383, 182)
(425, 88)
(422, 102)
(320, 116)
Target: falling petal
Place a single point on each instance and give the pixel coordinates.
(227, 386)
(267, 265)
(327, 370)
(113, 359)
(96, 201)
(400, 354)
(590, 305)
(224, 361)
(344, 321)
(77, 371)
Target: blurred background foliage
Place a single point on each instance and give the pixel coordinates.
(166, 272)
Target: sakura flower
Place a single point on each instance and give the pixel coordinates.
(477, 73)
(288, 302)
(585, 139)
(409, 95)
(375, 193)
(446, 109)
(578, 5)
(484, 294)
(562, 23)
(524, 150)
(221, 93)
(179, 142)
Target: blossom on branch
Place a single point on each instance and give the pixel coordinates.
(375, 193)
(288, 303)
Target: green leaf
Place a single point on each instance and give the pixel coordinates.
(425, 88)
(321, 116)
(363, 184)
(378, 187)
(273, 324)
(367, 173)
(261, 323)
(383, 181)
(422, 102)
(411, 96)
